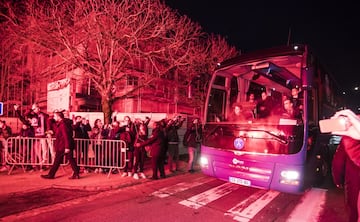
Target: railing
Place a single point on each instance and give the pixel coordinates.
(89, 153)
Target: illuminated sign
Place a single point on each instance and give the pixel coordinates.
(239, 143)
(58, 95)
(1, 108)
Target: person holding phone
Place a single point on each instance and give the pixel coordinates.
(346, 161)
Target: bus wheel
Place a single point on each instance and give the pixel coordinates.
(322, 170)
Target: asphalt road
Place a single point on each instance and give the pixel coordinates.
(182, 197)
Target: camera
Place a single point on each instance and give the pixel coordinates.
(336, 124)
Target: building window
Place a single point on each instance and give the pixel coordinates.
(132, 81)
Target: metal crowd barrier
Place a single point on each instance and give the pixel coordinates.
(89, 153)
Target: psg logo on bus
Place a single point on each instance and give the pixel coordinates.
(239, 143)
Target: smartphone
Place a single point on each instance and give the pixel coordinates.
(331, 125)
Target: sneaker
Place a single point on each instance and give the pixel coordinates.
(124, 174)
(136, 176)
(129, 174)
(142, 175)
(3, 169)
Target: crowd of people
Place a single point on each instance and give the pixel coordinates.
(162, 146)
(265, 106)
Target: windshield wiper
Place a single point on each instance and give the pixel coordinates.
(280, 138)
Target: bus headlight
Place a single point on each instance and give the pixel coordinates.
(204, 162)
(290, 177)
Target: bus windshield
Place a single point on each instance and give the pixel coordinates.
(256, 107)
(261, 119)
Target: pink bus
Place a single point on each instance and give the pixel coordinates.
(261, 120)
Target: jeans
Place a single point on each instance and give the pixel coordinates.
(193, 153)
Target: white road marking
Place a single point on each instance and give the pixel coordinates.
(245, 211)
(208, 196)
(168, 191)
(310, 207)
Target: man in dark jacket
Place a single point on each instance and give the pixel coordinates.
(81, 129)
(158, 150)
(173, 141)
(264, 106)
(192, 139)
(64, 146)
(346, 163)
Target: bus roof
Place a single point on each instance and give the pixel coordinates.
(298, 49)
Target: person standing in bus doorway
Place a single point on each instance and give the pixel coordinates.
(252, 102)
(296, 97)
(291, 111)
(346, 163)
(237, 114)
(64, 146)
(192, 140)
(251, 99)
(264, 106)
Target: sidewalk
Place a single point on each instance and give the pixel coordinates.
(20, 181)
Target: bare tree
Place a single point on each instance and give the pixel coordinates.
(210, 51)
(107, 38)
(11, 66)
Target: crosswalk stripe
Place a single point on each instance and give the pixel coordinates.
(168, 191)
(245, 211)
(208, 196)
(310, 206)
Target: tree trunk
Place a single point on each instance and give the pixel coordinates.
(106, 108)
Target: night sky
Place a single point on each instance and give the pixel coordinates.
(330, 29)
